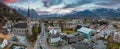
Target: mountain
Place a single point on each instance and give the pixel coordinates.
(7, 13)
(22, 11)
(69, 8)
(96, 13)
(33, 13)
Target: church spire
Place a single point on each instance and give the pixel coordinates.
(28, 14)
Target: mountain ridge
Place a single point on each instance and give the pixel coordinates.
(95, 13)
(7, 13)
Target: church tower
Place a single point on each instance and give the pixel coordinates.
(29, 28)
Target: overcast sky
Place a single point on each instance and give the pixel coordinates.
(76, 4)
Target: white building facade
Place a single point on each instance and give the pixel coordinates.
(116, 37)
(3, 43)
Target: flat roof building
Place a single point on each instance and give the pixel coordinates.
(86, 32)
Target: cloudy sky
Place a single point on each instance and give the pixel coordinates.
(104, 1)
(8, 1)
(60, 5)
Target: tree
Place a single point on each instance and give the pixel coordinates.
(35, 31)
(77, 27)
(115, 26)
(15, 38)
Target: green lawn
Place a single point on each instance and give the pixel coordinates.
(68, 31)
(41, 47)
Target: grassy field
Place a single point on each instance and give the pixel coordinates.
(68, 31)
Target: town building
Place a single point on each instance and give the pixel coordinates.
(52, 32)
(71, 38)
(70, 25)
(116, 37)
(9, 24)
(14, 46)
(58, 29)
(78, 21)
(20, 29)
(54, 38)
(56, 23)
(86, 32)
(5, 34)
(3, 43)
(81, 45)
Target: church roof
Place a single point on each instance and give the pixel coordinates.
(20, 25)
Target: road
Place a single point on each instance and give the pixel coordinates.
(42, 40)
(40, 37)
